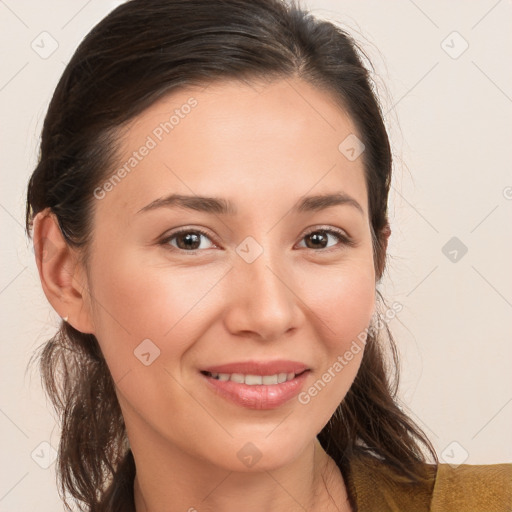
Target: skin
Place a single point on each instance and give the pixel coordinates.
(263, 147)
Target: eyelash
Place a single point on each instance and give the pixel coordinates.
(342, 237)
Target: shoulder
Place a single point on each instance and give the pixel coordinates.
(485, 488)
(374, 486)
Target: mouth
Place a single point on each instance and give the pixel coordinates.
(256, 388)
(254, 380)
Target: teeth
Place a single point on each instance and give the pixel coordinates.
(254, 380)
(270, 379)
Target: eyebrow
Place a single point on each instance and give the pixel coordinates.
(222, 206)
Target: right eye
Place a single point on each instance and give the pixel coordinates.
(187, 240)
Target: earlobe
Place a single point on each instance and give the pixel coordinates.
(62, 279)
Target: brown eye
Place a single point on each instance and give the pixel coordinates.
(187, 240)
(319, 238)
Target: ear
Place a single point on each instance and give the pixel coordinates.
(386, 232)
(63, 278)
(383, 238)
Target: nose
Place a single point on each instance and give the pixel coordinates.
(264, 301)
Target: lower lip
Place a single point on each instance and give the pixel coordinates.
(258, 396)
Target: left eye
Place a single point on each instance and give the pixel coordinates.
(320, 236)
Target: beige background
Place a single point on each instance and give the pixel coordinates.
(449, 114)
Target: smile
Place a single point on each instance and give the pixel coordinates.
(256, 391)
(253, 380)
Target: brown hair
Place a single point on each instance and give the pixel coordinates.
(141, 51)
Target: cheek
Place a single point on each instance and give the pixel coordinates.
(343, 300)
(136, 302)
(341, 307)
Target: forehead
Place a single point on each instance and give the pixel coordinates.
(262, 142)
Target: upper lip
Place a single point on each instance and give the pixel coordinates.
(258, 367)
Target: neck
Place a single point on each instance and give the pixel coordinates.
(170, 480)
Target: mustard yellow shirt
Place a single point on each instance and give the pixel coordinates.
(465, 488)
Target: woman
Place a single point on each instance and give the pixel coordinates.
(209, 216)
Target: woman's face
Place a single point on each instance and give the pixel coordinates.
(263, 283)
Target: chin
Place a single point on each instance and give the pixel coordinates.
(260, 453)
